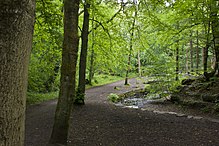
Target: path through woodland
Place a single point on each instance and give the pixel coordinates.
(99, 122)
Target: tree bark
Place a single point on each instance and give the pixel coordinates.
(91, 70)
(197, 53)
(68, 72)
(130, 48)
(215, 31)
(16, 31)
(139, 64)
(205, 52)
(191, 54)
(177, 61)
(187, 60)
(83, 57)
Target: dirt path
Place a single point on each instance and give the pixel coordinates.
(102, 123)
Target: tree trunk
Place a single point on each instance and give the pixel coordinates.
(130, 48)
(91, 71)
(16, 31)
(187, 60)
(68, 72)
(215, 31)
(197, 54)
(139, 64)
(205, 52)
(83, 58)
(128, 70)
(191, 54)
(205, 59)
(177, 61)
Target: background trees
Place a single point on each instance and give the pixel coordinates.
(169, 37)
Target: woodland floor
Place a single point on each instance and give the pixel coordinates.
(100, 122)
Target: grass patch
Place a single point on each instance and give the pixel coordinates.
(33, 98)
(103, 79)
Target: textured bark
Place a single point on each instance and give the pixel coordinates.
(215, 31)
(68, 72)
(205, 51)
(83, 58)
(16, 31)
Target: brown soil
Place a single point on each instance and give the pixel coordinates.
(100, 122)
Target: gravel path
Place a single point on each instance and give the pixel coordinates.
(99, 122)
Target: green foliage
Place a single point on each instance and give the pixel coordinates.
(46, 52)
(33, 98)
(102, 79)
(113, 97)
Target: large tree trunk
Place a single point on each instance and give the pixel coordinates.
(68, 72)
(16, 31)
(83, 57)
(215, 31)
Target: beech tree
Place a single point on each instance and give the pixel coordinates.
(16, 31)
(68, 72)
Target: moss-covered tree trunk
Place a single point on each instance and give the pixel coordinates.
(83, 57)
(68, 72)
(16, 31)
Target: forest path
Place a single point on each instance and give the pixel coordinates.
(99, 122)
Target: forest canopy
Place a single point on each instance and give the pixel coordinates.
(166, 39)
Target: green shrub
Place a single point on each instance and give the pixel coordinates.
(113, 97)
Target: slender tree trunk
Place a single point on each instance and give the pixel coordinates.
(129, 63)
(197, 54)
(91, 70)
(139, 64)
(83, 57)
(68, 72)
(205, 59)
(187, 60)
(130, 48)
(191, 54)
(177, 61)
(16, 31)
